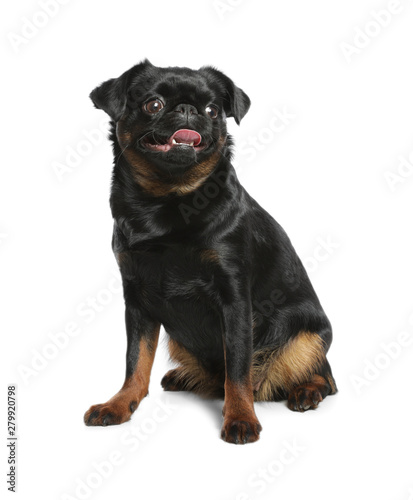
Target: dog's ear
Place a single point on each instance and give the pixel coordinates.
(111, 95)
(236, 101)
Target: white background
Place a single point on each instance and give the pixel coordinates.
(324, 175)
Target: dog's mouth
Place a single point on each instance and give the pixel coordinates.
(183, 138)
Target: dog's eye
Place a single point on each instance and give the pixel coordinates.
(212, 111)
(153, 107)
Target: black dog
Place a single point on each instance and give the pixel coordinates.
(199, 256)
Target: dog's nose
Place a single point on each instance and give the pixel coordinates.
(186, 109)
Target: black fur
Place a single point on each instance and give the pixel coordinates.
(208, 263)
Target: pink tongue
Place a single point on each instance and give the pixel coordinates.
(185, 136)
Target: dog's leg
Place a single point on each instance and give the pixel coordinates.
(297, 371)
(142, 335)
(240, 422)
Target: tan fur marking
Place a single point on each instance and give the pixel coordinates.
(240, 422)
(142, 373)
(318, 380)
(209, 255)
(152, 180)
(239, 401)
(121, 406)
(138, 383)
(191, 373)
(333, 386)
(146, 174)
(122, 258)
(283, 369)
(197, 175)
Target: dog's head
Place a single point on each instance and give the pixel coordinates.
(171, 120)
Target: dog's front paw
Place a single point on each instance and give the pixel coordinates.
(114, 412)
(241, 431)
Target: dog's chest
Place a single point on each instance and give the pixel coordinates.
(179, 287)
(164, 275)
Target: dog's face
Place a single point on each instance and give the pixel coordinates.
(171, 119)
